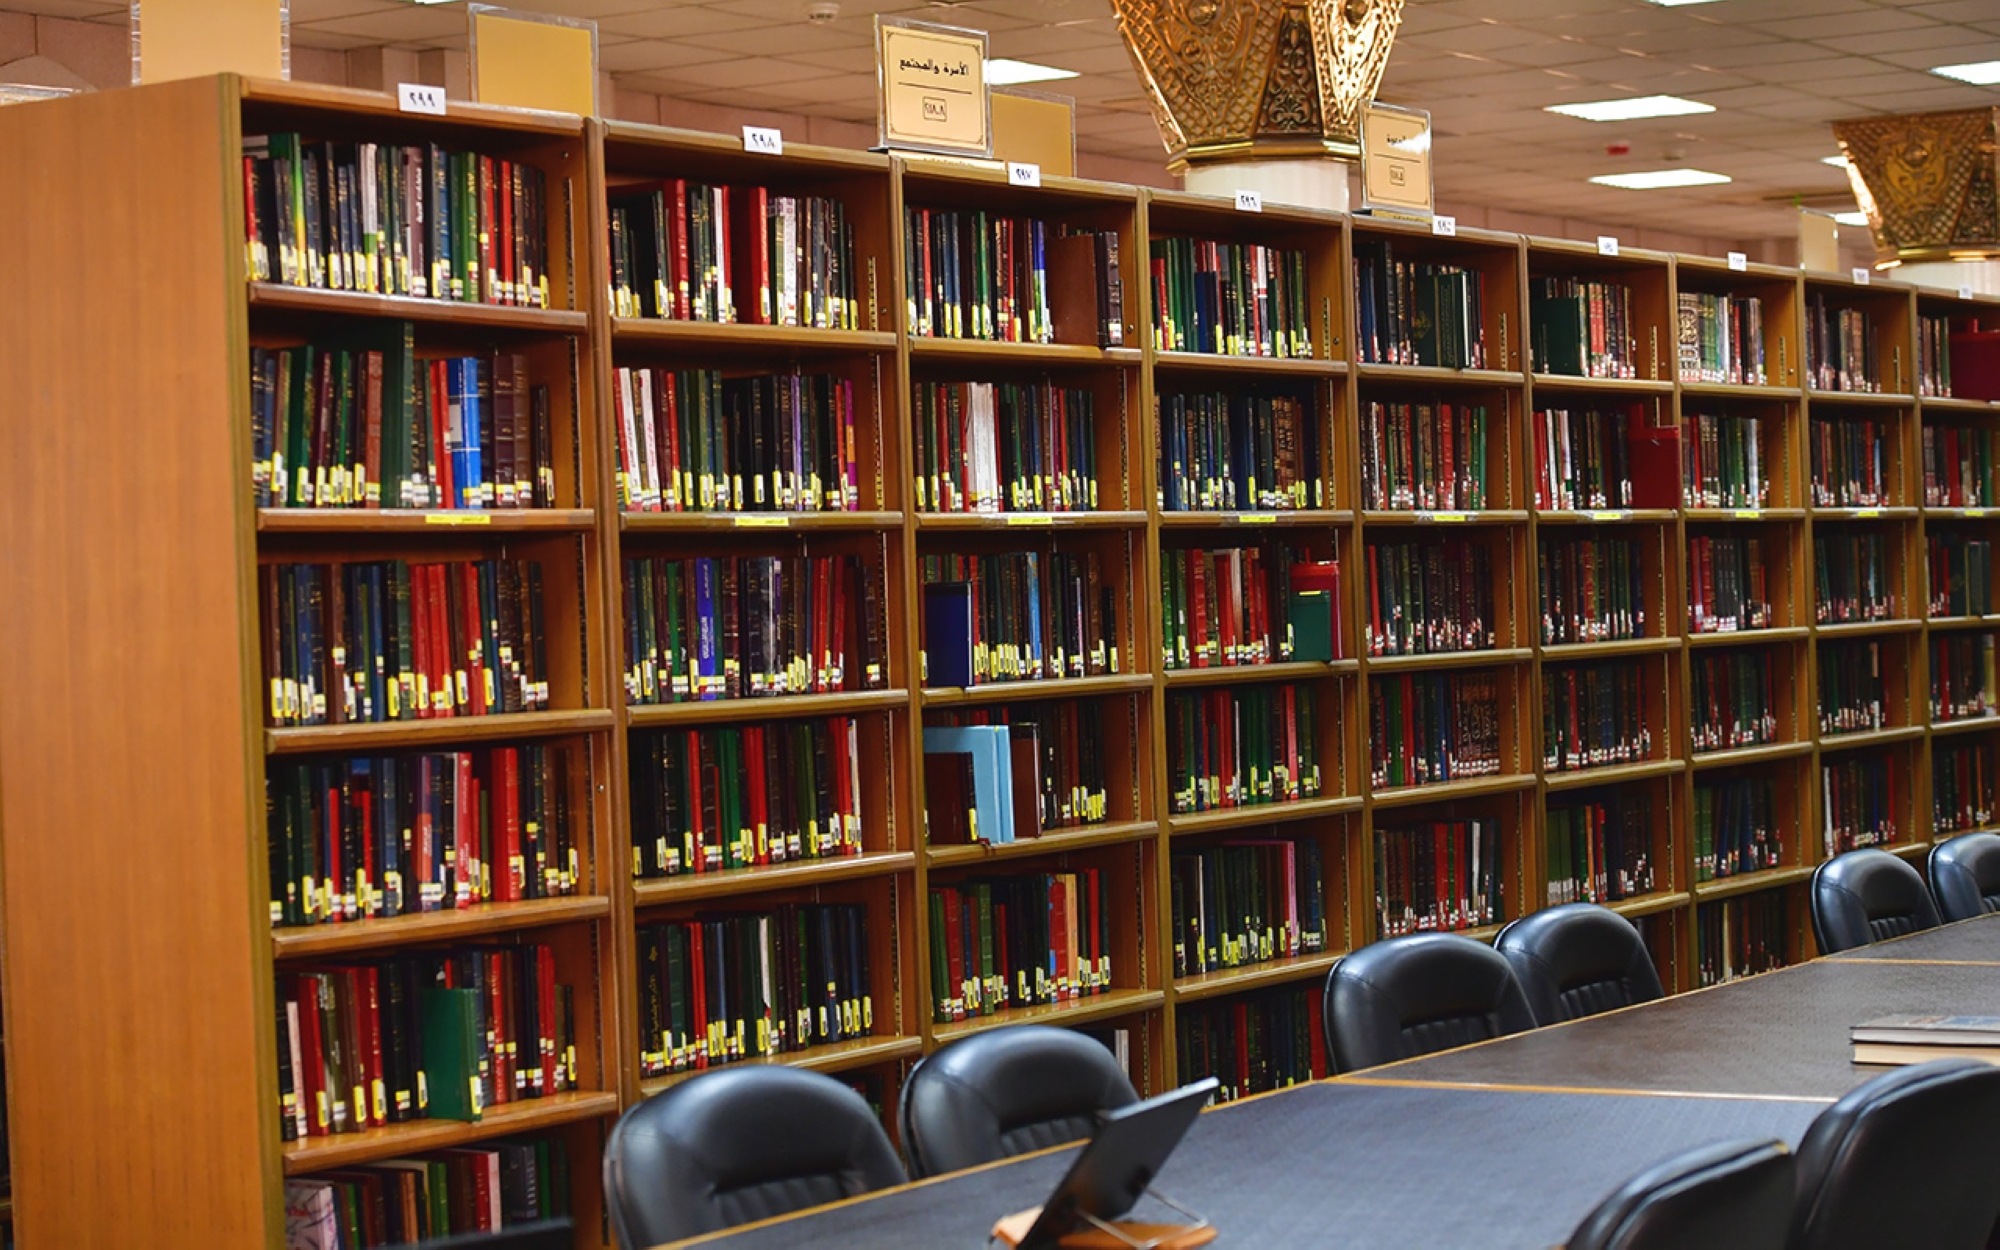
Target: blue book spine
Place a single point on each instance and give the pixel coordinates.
(708, 673)
(388, 835)
(472, 488)
(1035, 666)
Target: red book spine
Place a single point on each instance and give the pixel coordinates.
(465, 831)
(312, 1080)
(513, 883)
(369, 984)
(545, 1012)
(676, 190)
(755, 782)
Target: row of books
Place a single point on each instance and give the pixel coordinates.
(1018, 616)
(1032, 767)
(1438, 875)
(1850, 463)
(1962, 795)
(1722, 461)
(1742, 936)
(1594, 715)
(371, 425)
(692, 252)
(694, 441)
(1590, 589)
(1599, 850)
(1729, 585)
(1253, 1044)
(971, 274)
(732, 627)
(390, 640)
(1417, 312)
(391, 835)
(400, 1202)
(1423, 456)
(1004, 447)
(1431, 727)
(1852, 694)
(744, 985)
(1961, 574)
(1861, 797)
(1851, 576)
(1962, 677)
(1735, 827)
(1242, 746)
(1933, 356)
(1840, 347)
(1721, 338)
(1235, 606)
(1025, 940)
(1581, 460)
(1733, 701)
(1222, 452)
(1960, 467)
(740, 796)
(1582, 328)
(1232, 299)
(436, 1034)
(1247, 901)
(416, 220)
(1427, 596)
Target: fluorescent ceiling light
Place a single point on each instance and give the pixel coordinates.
(1633, 109)
(1851, 219)
(1003, 72)
(1674, 4)
(1838, 162)
(1654, 179)
(1978, 73)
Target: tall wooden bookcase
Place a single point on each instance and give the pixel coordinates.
(133, 848)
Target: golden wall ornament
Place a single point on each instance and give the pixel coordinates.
(1927, 182)
(1237, 79)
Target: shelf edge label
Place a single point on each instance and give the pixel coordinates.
(417, 97)
(764, 140)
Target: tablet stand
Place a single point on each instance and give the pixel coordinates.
(1115, 1234)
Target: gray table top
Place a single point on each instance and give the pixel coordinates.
(1969, 941)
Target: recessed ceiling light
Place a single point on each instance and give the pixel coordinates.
(1632, 109)
(1851, 219)
(1674, 4)
(1004, 72)
(1838, 162)
(1654, 179)
(1978, 73)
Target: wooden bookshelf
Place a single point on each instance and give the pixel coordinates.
(193, 927)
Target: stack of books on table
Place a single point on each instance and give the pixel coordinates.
(1917, 1039)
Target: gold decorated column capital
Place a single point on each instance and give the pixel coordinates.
(1232, 80)
(1927, 182)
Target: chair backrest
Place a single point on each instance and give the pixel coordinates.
(1577, 960)
(1735, 1194)
(736, 1145)
(1867, 896)
(1414, 995)
(558, 1234)
(1005, 1092)
(1965, 875)
(1909, 1159)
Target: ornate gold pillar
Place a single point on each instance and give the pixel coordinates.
(1927, 182)
(1261, 95)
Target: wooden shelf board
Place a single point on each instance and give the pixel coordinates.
(1965, 725)
(1321, 517)
(1254, 976)
(1907, 850)
(459, 114)
(1749, 882)
(1953, 403)
(1446, 791)
(709, 522)
(406, 308)
(1231, 674)
(704, 147)
(832, 1057)
(1611, 386)
(321, 940)
(1749, 637)
(981, 351)
(1988, 621)
(1703, 515)
(1042, 688)
(1272, 366)
(1871, 737)
(1029, 520)
(1561, 651)
(791, 875)
(1054, 842)
(1604, 516)
(1875, 399)
(1495, 658)
(1188, 824)
(317, 1154)
(1749, 755)
(415, 521)
(1884, 512)
(1434, 375)
(1073, 1011)
(1739, 390)
(408, 733)
(1650, 904)
(1613, 774)
(1445, 516)
(774, 707)
(710, 335)
(1864, 629)
(1962, 514)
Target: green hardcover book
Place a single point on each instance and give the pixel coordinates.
(451, 1036)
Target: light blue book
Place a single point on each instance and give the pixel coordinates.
(992, 773)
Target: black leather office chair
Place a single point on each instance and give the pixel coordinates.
(1867, 896)
(737, 1145)
(1410, 996)
(1731, 1194)
(1003, 1093)
(1965, 875)
(1577, 960)
(1909, 1159)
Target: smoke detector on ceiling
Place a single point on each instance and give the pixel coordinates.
(820, 12)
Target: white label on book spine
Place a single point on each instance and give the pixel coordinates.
(1860, 276)
(1249, 201)
(1444, 225)
(764, 140)
(1607, 245)
(1023, 174)
(416, 97)
(1738, 262)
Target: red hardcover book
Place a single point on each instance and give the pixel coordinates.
(954, 941)
(675, 190)
(756, 785)
(372, 487)
(755, 300)
(465, 831)
(511, 884)
(503, 244)
(368, 997)
(311, 1079)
